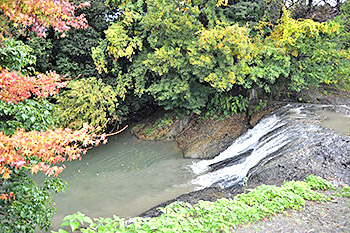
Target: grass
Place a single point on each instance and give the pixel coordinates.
(223, 215)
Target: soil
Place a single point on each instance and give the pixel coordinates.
(331, 216)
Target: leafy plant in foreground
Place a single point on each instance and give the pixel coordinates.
(346, 192)
(223, 215)
(31, 205)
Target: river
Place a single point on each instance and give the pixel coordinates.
(128, 176)
(124, 177)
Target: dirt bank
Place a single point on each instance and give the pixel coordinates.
(332, 216)
(199, 136)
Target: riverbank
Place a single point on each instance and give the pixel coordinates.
(204, 136)
(331, 216)
(308, 148)
(200, 136)
(325, 153)
(267, 208)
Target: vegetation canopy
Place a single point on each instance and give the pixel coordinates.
(28, 140)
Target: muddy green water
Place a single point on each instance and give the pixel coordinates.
(125, 177)
(338, 122)
(128, 176)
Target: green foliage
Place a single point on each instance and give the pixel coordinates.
(100, 60)
(74, 221)
(315, 55)
(156, 64)
(257, 107)
(228, 56)
(223, 215)
(227, 105)
(31, 207)
(318, 183)
(346, 192)
(72, 53)
(15, 55)
(183, 53)
(28, 115)
(220, 56)
(243, 11)
(43, 50)
(87, 100)
(123, 45)
(344, 19)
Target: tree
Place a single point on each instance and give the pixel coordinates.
(191, 54)
(71, 53)
(316, 56)
(39, 15)
(24, 204)
(87, 100)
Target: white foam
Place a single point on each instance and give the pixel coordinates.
(242, 144)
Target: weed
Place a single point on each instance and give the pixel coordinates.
(148, 131)
(346, 192)
(318, 183)
(222, 215)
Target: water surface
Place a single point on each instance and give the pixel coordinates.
(128, 176)
(338, 122)
(125, 177)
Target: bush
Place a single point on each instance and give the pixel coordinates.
(87, 100)
(32, 205)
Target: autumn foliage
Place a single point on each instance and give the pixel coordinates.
(40, 14)
(15, 87)
(43, 151)
(38, 151)
(33, 150)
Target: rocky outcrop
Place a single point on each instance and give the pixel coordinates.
(199, 136)
(205, 138)
(312, 150)
(317, 151)
(179, 126)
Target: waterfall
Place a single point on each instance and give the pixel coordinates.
(270, 137)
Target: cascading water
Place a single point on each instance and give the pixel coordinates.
(270, 138)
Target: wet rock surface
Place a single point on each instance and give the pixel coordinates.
(312, 149)
(199, 136)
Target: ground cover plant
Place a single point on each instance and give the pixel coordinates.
(223, 215)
